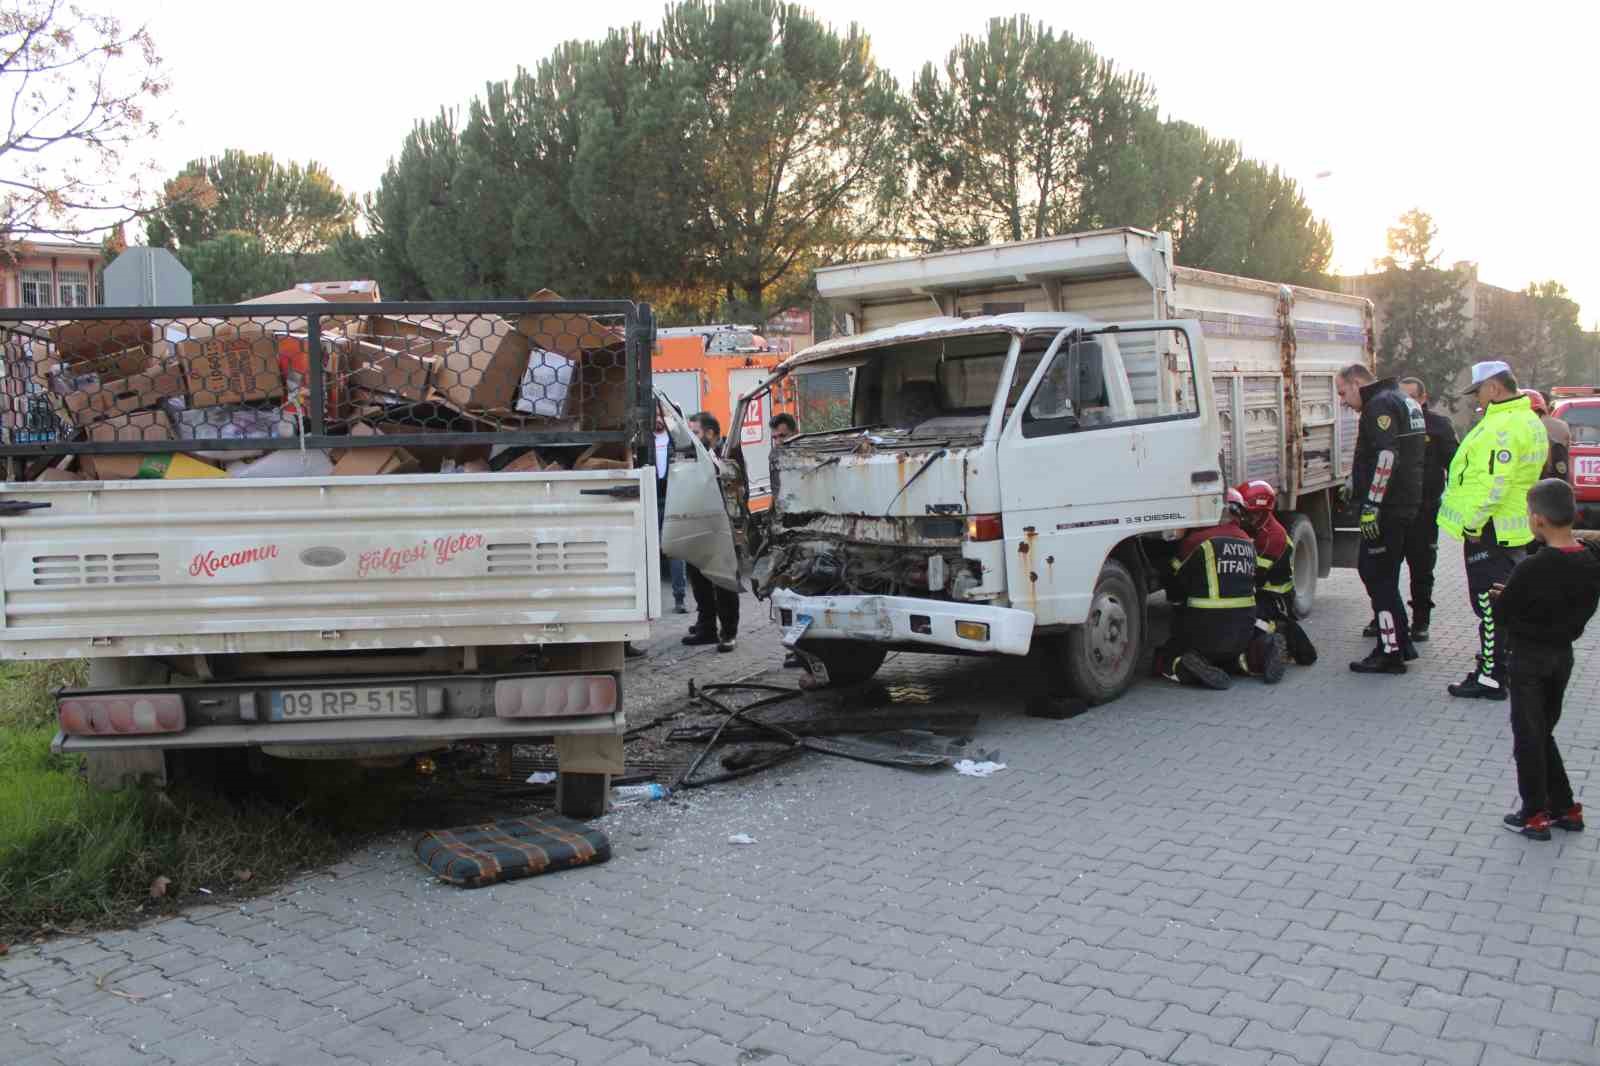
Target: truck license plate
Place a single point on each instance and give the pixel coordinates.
(298, 705)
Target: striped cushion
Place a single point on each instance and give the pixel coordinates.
(476, 855)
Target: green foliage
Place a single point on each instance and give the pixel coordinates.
(233, 267)
(1537, 332)
(1026, 134)
(1425, 326)
(27, 690)
(291, 209)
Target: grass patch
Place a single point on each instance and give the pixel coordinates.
(27, 690)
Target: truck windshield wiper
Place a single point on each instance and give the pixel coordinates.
(923, 469)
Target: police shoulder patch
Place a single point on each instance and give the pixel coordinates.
(1383, 421)
(1503, 456)
(1561, 468)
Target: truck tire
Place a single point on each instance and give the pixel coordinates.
(1303, 535)
(847, 661)
(582, 796)
(1102, 656)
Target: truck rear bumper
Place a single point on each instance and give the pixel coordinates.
(906, 620)
(424, 733)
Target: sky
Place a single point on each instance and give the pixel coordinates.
(1480, 114)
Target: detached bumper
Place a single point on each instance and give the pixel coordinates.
(906, 620)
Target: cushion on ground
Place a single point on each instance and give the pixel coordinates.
(477, 855)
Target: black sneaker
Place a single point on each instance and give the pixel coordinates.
(1199, 670)
(1535, 826)
(1419, 634)
(1377, 662)
(1272, 667)
(727, 643)
(630, 651)
(679, 608)
(792, 661)
(1570, 819)
(1473, 688)
(1371, 630)
(696, 638)
(1411, 653)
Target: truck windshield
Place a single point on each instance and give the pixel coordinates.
(941, 387)
(1584, 423)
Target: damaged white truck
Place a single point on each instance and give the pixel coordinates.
(1030, 426)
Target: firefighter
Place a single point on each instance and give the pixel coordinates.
(1386, 484)
(1212, 592)
(1557, 432)
(1485, 506)
(1274, 570)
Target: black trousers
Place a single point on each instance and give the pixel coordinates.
(1222, 638)
(1422, 555)
(1379, 566)
(717, 608)
(1278, 609)
(1489, 563)
(1538, 680)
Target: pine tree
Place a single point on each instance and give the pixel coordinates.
(1424, 330)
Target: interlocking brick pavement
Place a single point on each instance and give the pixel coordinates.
(1306, 875)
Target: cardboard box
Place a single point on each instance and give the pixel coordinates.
(424, 337)
(120, 344)
(390, 371)
(529, 462)
(90, 402)
(231, 370)
(162, 467)
(340, 292)
(141, 425)
(372, 461)
(52, 473)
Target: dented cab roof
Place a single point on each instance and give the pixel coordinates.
(934, 328)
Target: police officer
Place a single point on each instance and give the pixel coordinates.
(1485, 505)
(1213, 596)
(1557, 432)
(1422, 541)
(1386, 484)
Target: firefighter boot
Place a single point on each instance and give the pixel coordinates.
(1421, 615)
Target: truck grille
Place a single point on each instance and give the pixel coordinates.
(132, 568)
(549, 557)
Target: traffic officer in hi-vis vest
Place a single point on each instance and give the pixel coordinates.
(1485, 506)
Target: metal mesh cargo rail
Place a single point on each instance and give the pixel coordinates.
(453, 385)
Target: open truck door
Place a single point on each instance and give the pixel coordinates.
(703, 523)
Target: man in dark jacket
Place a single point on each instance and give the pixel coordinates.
(1386, 484)
(1422, 541)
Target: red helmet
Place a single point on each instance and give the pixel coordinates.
(1234, 502)
(1257, 495)
(1536, 398)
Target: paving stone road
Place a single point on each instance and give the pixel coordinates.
(1306, 875)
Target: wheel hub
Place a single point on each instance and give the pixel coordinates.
(1109, 634)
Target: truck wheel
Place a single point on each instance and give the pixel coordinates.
(847, 661)
(1102, 655)
(1304, 538)
(582, 796)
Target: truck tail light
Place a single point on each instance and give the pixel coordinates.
(985, 527)
(555, 697)
(125, 715)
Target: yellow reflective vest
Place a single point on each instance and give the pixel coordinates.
(1499, 460)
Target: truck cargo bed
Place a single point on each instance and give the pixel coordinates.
(326, 564)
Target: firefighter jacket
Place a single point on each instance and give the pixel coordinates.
(1274, 558)
(1387, 471)
(1498, 461)
(1213, 585)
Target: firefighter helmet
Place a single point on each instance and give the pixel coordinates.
(1536, 398)
(1234, 502)
(1258, 495)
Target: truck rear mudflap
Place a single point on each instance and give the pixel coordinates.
(931, 625)
(327, 564)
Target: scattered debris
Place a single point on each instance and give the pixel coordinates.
(968, 768)
(477, 855)
(741, 838)
(159, 886)
(542, 777)
(243, 875)
(628, 794)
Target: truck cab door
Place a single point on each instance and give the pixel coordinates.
(701, 518)
(1115, 435)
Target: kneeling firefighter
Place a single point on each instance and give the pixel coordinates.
(1212, 589)
(1274, 569)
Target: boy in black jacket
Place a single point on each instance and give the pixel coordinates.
(1542, 608)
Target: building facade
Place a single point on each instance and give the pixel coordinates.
(52, 274)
